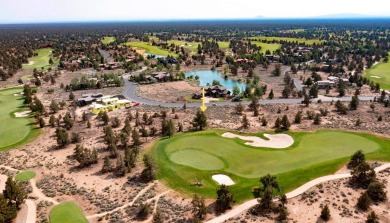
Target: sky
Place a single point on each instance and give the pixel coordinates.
(31, 11)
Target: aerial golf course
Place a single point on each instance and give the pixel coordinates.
(200, 155)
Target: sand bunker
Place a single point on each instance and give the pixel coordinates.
(22, 114)
(375, 77)
(3, 179)
(277, 141)
(223, 179)
(30, 63)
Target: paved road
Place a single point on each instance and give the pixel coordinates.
(131, 89)
(245, 206)
(106, 55)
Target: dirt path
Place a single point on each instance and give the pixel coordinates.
(28, 212)
(156, 198)
(124, 206)
(38, 193)
(9, 168)
(245, 206)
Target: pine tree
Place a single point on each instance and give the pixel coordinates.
(298, 117)
(135, 137)
(199, 208)
(148, 174)
(285, 123)
(364, 201)
(120, 169)
(372, 218)
(271, 94)
(264, 121)
(325, 213)
(245, 122)
(106, 165)
(41, 122)
(277, 123)
(14, 192)
(376, 191)
(200, 120)
(224, 199)
(356, 159)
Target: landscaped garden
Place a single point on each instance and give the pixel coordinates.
(189, 158)
(18, 130)
(67, 212)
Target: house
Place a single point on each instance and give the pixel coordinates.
(161, 76)
(108, 104)
(325, 84)
(213, 91)
(87, 99)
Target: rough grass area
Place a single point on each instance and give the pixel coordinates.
(381, 70)
(67, 212)
(151, 49)
(199, 155)
(108, 39)
(223, 45)
(42, 60)
(14, 131)
(303, 41)
(25, 175)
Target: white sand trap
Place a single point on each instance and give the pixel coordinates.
(3, 179)
(22, 114)
(30, 63)
(277, 141)
(375, 77)
(223, 179)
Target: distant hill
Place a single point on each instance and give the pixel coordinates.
(330, 16)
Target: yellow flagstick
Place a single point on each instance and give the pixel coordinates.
(203, 107)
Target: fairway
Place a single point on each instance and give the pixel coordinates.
(193, 46)
(14, 131)
(199, 155)
(150, 49)
(67, 212)
(108, 39)
(25, 175)
(304, 41)
(42, 60)
(382, 71)
(272, 47)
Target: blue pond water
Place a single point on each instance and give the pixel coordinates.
(207, 76)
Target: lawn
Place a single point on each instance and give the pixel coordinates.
(381, 70)
(305, 41)
(108, 39)
(25, 175)
(267, 46)
(67, 212)
(42, 60)
(199, 155)
(223, 45)
(14, 131)
(150, 49)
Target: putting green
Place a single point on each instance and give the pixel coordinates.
(42, 60)
(14, 131)
(380, 73)
(67, 212)
(199, 155)
(25, 175)
(197, 159)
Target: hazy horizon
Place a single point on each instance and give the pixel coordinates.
(46, 11)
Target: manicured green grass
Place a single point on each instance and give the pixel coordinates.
(305, 41)
(272, 47)
(223, 45)
(25, 175)
(108, 39)
(14, 131)
(67, 212)
(297, 30)
(199, 155)
(193, 46)
(151, 49)
(42, 60)
(381, 70)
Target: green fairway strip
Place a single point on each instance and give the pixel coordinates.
(67, 212)
(382, 71)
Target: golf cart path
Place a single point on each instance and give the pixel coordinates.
(41, 196)
(143, 191)
(300, 190)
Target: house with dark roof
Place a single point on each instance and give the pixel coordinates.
(216, 91)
